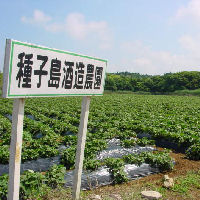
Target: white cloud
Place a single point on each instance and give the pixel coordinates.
(80, 29)
(142, 61)
(39, 17)
(54, 27)
(190, 11)
(190, 43)
(75, 26)
(138, 57)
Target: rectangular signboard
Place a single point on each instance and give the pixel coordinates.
(36, 71)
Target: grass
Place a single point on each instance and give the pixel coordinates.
(188, 183)
(187, 92)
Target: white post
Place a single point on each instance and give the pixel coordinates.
(80, 147)
(15, 149)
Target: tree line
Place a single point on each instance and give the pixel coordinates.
(135, 82)
(168, 82)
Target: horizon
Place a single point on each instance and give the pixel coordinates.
(118, 72)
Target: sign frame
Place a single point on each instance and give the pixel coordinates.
(8, 61)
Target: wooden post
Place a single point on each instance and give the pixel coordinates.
(80, 147)
(15, 149)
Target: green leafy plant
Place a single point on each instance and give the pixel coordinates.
(47, 151)
(31, 184)
(92, 165)
(144, 141)
(116, 168)
(126, 133)
(70, 140)
(3, 186)
(160, 159)
(193, 152)
(94, 146)
(55, 176)
(4, 154)
(134, 159)
(129, 142)
(68, 157)
(29, 154)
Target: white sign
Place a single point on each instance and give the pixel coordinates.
(36, 71)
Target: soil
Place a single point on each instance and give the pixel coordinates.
(182, 166)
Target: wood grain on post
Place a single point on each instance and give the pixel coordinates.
(80, 147)
(15, 149)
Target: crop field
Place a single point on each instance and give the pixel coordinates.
(166, 121)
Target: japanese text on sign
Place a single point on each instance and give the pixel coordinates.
(40, 71)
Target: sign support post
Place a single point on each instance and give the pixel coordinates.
(15, 149)
(36, 71)
(80, 147)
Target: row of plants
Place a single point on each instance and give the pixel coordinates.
(157, 159)
(32, 147)
(175, 119)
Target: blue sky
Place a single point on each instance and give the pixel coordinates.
(145, 36)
